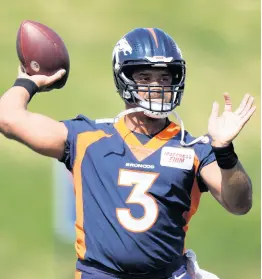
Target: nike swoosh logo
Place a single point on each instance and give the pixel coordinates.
(180, 276)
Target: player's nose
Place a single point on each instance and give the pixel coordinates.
(155, 83)
(155, 89)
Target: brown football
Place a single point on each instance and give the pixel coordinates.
(41, 51)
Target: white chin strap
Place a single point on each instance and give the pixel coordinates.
(152, 114)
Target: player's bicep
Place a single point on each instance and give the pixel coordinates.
(40, 133)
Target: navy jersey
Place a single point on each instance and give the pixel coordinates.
(133, 200)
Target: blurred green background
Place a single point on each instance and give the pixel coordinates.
(220, 41)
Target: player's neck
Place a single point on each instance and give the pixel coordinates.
(140, 123)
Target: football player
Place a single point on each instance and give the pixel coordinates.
(138, 177)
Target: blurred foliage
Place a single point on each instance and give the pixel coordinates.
(220, 41)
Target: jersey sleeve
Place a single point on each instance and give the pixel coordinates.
(75, 126)
(205, 156)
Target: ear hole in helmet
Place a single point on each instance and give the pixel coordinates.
(177, 72)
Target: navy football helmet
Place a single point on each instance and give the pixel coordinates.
(142, 48)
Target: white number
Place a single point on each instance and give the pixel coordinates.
(142, 181)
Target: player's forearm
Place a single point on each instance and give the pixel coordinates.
(236, 190)
(39, 132)
(13, 105)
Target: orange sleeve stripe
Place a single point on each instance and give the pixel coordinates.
(78, 274)
(84, 140)
(195, 198)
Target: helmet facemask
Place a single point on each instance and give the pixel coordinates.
(168, 96)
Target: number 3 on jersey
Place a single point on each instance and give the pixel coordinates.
(142, 182)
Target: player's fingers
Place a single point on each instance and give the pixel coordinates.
(58, 75)
(228, 103)
(215, 110)
(242, 104)
(247, 107)
(245, 119)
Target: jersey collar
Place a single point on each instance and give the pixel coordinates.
(142, 151)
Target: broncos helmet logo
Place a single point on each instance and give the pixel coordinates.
(121, 46)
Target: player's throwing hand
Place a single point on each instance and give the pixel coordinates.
(42, 81)
(223, 129)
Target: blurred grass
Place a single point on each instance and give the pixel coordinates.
(221, 44)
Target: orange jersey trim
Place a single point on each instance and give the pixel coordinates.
(84, 140)
(142, 151)
(78, 274)
(195, 198)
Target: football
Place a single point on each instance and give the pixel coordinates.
(41, 51)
